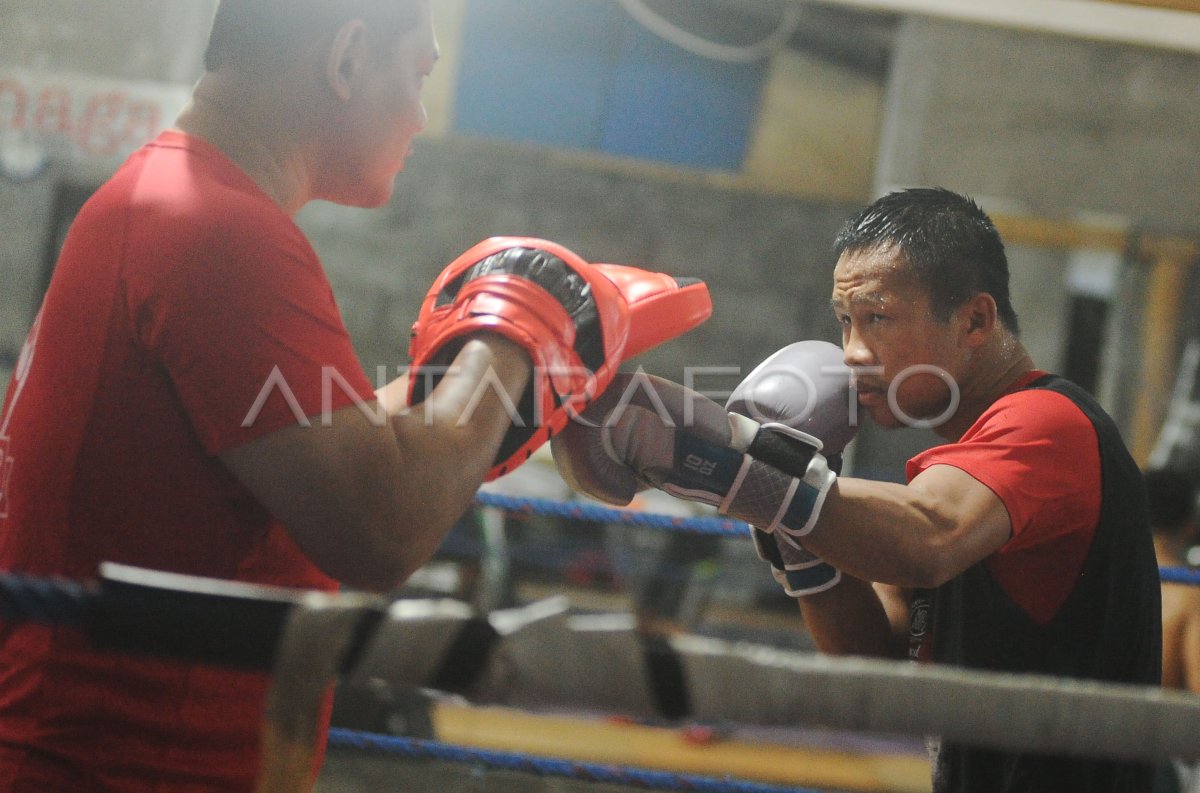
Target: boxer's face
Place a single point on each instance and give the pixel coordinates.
(891, 338)
(381, 118)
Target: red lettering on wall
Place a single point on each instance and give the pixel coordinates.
(13, 101)
(99, 131)
(143, 120)
(89, 118)
(52, 114)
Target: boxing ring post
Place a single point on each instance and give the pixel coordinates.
(318, 639)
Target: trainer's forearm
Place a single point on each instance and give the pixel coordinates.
(448, 442)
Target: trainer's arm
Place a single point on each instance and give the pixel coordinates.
(369, 501)
(917, 535)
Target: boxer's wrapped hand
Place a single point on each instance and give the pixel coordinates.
(797, 570)
(645, 431)
(805, 386)
(577, 321)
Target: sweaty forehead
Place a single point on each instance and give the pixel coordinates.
(871, 278)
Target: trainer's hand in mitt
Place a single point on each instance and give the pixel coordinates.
(577, 321)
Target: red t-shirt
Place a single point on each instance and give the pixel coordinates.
(182, 295)
(1038, 452)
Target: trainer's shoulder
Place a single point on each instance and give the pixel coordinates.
(205, 230)
(182, 187)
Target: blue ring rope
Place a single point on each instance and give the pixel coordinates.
(583, 510)
(1180, 575)
(513, 761)
(57, 601)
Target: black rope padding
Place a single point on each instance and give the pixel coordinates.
(226, 629)
(667, 679)
(466, 658)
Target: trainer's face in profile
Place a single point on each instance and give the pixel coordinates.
(382, 112)
(888, 328)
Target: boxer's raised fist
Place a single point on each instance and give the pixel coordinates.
(649, 432)
(805, 386)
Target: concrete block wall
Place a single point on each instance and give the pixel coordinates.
(1050, 125)
(137, 40)
(766, 258)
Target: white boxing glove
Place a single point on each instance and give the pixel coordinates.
(804, 386)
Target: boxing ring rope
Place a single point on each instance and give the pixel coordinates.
(715, 525)
(244, 625)
(641, 779)
(585, 510)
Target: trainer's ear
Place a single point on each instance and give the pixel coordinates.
(346, 58)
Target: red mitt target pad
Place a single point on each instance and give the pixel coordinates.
(576, 320)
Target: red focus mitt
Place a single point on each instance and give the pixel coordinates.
(578, 322)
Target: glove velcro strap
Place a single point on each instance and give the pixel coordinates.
(809, 581)
(803, 573)
(704, 471)
(808, 496)
(775, 500)
(767, 550)
(794, 453)
(784, 447)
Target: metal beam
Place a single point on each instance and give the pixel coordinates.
(1165, 24)
(1178, 5)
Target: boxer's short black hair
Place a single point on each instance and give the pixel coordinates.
(244, 31)
(950, 244)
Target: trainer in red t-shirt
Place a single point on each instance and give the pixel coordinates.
(187, 315)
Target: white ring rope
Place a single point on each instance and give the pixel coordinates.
(697, 45)
(544, 657)
(1003, 711)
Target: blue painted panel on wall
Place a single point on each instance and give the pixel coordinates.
(670, 105)
(536, 70)
(582, 74)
